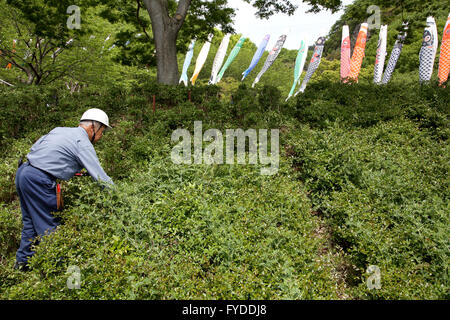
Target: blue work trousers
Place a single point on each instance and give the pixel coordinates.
(37, 194)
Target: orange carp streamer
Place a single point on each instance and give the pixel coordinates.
(358, 53)
(444, 58)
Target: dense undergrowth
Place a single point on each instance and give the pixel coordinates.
(371, 161)
(376, 161)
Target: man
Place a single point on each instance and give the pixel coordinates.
(58, 155)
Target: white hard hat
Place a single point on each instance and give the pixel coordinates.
(96, 115)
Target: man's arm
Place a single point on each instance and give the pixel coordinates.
(88, 159)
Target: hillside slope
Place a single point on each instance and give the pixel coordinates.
(362, 182)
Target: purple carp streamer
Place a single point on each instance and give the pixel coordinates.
(258, 54)
(395, 54)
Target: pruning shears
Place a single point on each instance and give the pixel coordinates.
(82, 173)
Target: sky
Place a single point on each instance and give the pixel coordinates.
(301, 25)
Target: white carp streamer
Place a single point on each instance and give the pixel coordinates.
(428, 50)
(218, 59)
(381, 55)
(201, 59)
(187, 62)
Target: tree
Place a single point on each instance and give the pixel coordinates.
(173, 23)
(38, 55)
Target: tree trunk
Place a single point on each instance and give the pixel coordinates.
(165, 32)
(166, 57)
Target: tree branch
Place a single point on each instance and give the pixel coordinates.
(139, 20)
(182, 9)
(9, 59)
(60, 73)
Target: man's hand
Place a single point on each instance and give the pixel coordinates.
(82, 173)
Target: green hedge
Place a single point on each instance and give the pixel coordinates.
(172, 232)
(376, 162)
(367, 163)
